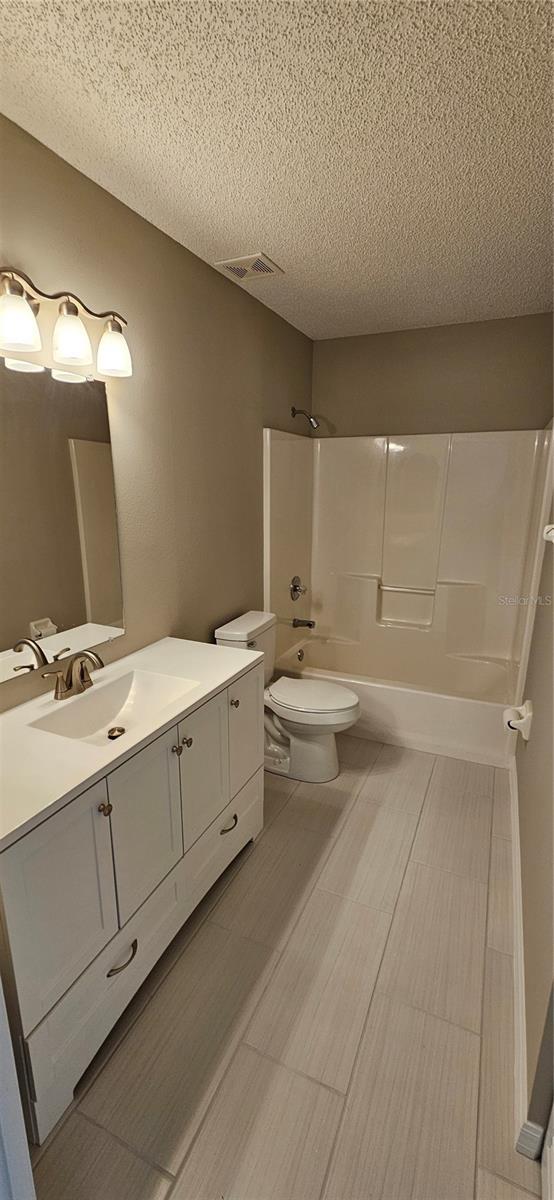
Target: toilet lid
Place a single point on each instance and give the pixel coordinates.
(312, 695)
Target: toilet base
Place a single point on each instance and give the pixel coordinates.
(310, 759)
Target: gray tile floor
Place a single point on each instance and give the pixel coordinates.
(335, 1021)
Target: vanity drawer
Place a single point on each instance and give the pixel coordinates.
(239, 822)
(62, 1046)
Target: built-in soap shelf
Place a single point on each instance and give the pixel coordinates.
(397, 605)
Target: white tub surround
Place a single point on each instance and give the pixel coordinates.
(106, 847)
(421, 580)
(418, 548)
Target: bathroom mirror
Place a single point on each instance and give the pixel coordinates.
(60, 580)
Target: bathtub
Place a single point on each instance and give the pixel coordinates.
(458, 713)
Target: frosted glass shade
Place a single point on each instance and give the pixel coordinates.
(71, 343)
(21, 364)
(18, 325)
(68, 377)
(114, 356)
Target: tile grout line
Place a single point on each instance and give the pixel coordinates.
(484, 962)
(373, 993)
(293, 1070)
(241, 1040)
(446, 871)
(268, 824)
(165, 1174)
(426, 1012)
(520, 1187)
(387, 912)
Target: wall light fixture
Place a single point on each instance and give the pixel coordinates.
(20, 301)
(18, 323)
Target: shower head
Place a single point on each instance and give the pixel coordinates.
(301, 412)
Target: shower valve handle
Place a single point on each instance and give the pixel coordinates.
(297, 588)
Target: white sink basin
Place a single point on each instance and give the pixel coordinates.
(130, 700)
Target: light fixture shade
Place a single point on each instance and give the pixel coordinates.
(71, 343)
(68, 377)
(114, 356)
(18, 325)
(21, 364)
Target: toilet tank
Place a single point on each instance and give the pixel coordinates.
(252, 631)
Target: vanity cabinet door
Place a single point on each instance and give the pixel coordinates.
(146, 825)
(59, 901)
(246, 727)
(204, 737)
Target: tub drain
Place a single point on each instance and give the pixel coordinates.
(115, 732)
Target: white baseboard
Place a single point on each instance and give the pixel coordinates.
(547, 1164)
(520, 1046)
(530, 1140)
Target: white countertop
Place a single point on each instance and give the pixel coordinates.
(40, 771)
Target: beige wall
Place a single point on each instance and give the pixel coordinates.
(466, 378)
(40, 559)
(534, 773)
(212, 366)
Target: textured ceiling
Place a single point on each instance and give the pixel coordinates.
(391, 156)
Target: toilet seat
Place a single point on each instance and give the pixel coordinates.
(310, 701)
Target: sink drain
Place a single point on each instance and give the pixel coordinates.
(115, 732)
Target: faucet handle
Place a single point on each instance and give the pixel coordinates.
(61, 689)
(56, 657)
(84, 676)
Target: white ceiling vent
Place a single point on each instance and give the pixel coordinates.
(251, 266)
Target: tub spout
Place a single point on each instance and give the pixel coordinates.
(298, 623)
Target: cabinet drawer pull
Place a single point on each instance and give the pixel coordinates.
(232, 826)
(105, 809)
(235, 703)
(117, 970)
(187, 742)
(177, 750)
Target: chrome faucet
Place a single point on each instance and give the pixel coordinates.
(298, 623)
(76, 677)
(40, 657)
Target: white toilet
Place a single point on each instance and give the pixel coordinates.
(302, 716)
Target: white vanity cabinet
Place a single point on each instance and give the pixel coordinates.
(146, 822)
(92, 896)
